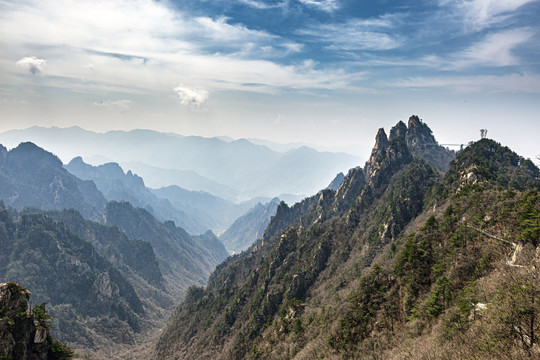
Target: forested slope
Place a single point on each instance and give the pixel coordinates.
(402, 261)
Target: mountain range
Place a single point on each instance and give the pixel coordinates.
(31, 176)
(415, 255)
(110, 272)
(209, 164)
(421, 253)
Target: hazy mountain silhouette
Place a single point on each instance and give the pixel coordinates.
(31, 176)
(251, 170)
(249, 227)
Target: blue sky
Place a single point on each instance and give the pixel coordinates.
(326, 72)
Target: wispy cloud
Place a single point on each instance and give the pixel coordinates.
(191, 96)
(494, 50)
(262, 5)
(480, 14)
(118, 105)
(147, 46)
(220, 30)
(357, 34)
(510, 83)
(32, 64)
(324, 5)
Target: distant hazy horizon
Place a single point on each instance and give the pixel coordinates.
(361, 151)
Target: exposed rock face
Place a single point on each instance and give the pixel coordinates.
(400, 130)
(419, 135)
(336, 183)
(350, 188)
(381, 143)
(286, 215)
(20, 338)
(422, 143)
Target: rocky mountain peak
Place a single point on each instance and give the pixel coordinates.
(13, 296)
(28, 151)
(400, 130)
(384, 152)
(381, 141)
(419, 135)
(336, 182)
(393, 157)
(414, 121)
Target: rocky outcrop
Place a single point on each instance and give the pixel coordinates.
(400, 130)
(21, 337)
(286, 215)
(350, 189)
(419, 135)
(336, 183)
(381, 143)
(422, 144)
(386, 155)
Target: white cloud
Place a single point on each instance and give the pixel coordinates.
(32, 64)
(511, 83)
(119, 105)
(191, 96)
(143, 46)
(262, 5)
(495, 49)
(227, 34)
(357, 34)
(480, 14)
(324, 5)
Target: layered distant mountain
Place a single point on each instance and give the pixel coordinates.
(111, 281)
(194, 211)
(156, 177)
(185, 260)
(250, 170)
(216, 213)
(31, 176)
(111, 180)
(249, 227)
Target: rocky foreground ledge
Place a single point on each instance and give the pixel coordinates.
(24, 333)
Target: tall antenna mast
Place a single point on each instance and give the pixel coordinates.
(483, 133)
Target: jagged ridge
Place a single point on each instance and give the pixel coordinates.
(339, 274)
